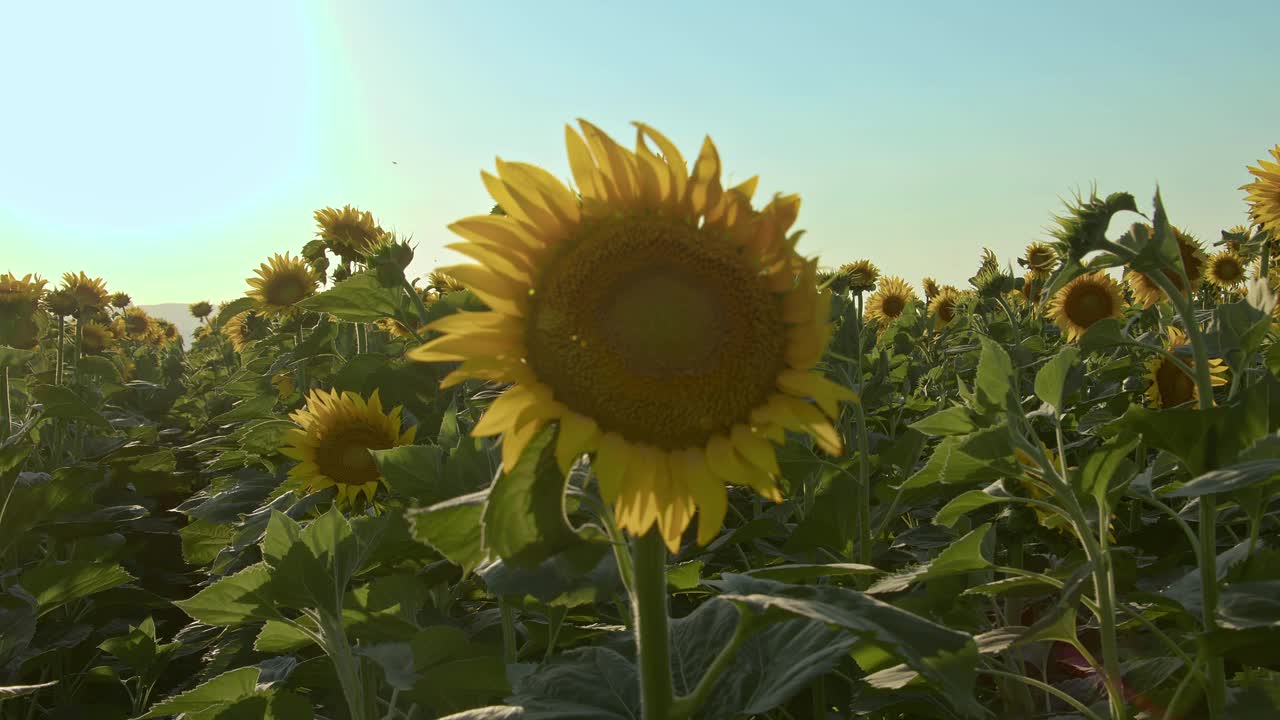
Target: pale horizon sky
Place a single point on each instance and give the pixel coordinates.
(172, 147)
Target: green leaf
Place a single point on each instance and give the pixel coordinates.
(945, 657)
(58, 583)
(278, 636)
(99, 368)
(232, 309)
(224, 689)
(235, 599)
(136, 650)
(452, 527)
(983, 456)
(954, 420)
(312, 566)
(359, 298)
(799, 572)
(963, 556)
(63, 402)
(580, 573)
(1240, 476)
(14, 358)
(685, 576)
(994, 383)
(202, 541)
(1249, 605)
(414, 471)
(455, 673)
(524, 519)
(1108, 469)
(8, 692)
(493, 712)
(254, 408)
(590, 683)
(1103, 335)
(1051, 380)
(967, 502)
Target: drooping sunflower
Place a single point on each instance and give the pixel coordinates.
(350, 233)
(90, 294)
(166, 332)
(860, 276)
(666, 325)
(443, 283)
(281, 283)
(1170, 385)
(1083, 302)
(1039, 259)
(1264, 192)
(1226, 270)
(335, 434)
(1147, 293)
(19, 306)
(944, 306)
(96, 338)
(200, 310)
(120, 300)
(244, 328)
(60, 303)
(931, 289)
(136, 324)
(888, 302)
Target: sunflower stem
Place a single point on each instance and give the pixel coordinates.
(57, 369)
(686, 705)
(864, 469)
(5, 411)
(649, 604)
(345, 664)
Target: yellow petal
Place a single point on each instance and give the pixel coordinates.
(824, 392)
(690, 469)
(704, 184)
(755, 449)
(542, 185)
(461, 347)
(577, 434)
(637, 504)
(499, 293)
(522, 209)
(501, 414)
(671, 155)
(499, 230)
(466, 322)
(582, 165)
(514, 443)
(505, 264)
(611, 465)
(675, 504)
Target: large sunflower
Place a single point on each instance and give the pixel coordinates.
(350, 233)
(1083, 302)
(136, 324)
(1039, 259)
(60, 302)
(665, 324)
(90, 294)
(200, 310)
(336, 433)
(1147, 293)
(96, 338)
(888, 302)
(19, 305)
(281, 283)
(1226, 270)
(1170, 385)
(244, 328)
(1264, 192)
(945, 305)
(120, 300)
(859, 276)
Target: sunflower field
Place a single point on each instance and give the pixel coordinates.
(643, 459)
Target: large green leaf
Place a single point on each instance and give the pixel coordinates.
(202, 541)
(945, 657)
(232, 309)
(359, 298)
(963, 556)
(452, 527)
(235, 599)
(1052, 379)
(224, 689)
(8, 692)
(994, 384)
(63, 402)
(1240, 476)
(982, 456)
(415, 471)
(524, 519)
(55, 584)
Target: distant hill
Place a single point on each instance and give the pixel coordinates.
(175, 313)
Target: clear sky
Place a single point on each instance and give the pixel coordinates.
(171, 147)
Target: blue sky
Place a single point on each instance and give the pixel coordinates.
(171, 147)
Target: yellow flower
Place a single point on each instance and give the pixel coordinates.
(350, 233)
(120, 300)
(931, 289)
(407, 331)
(336, 433)
(90, 294)
(200, 310)
(60, 303)
(1083, 302)
(944, 306)
(665, 324)
(890, 300)
(135, 323)
(19, 304)
(1147, 293)
(859, 276)
(96, 338)
(443, 283)
(1039, 259)
(282, 282)
(1264, 192)
(1170, 385)
(1226, 270)
(244, 328)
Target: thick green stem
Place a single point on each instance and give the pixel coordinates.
(6, 412)
(649, 603)
(864, 468)
(345, 664)
(685, 706)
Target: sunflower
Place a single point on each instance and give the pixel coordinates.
(19, 305)
(860, 276)
(1147, 293)
(200, 310)
(406, 330)
(135, 323)
(944, 306)
(931, 289)
(96, 338)
(120, 300)
(1170, 385)
(90, 294)
(1039, 259)
(1264, 192)
(1083, 302)
(890, 300)
(443, 283)
(282, 282)
(166, 331)
(664, 323)
(336, 432)
(60, 303)
(244, 328)
(350, 233)
(1226, 270)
